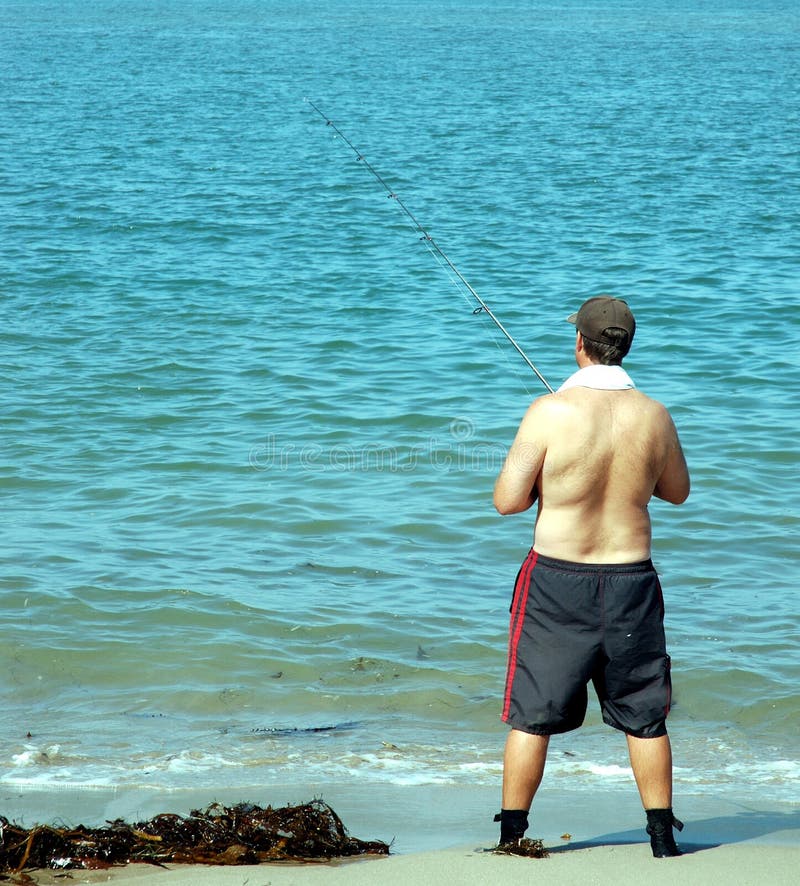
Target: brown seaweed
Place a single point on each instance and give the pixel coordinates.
(218, 835)
(525, 847)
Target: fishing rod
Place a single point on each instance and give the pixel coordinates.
(432, 245)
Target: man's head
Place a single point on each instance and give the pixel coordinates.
(607, 328)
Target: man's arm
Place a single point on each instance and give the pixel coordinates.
(515, 487)
(673, 485)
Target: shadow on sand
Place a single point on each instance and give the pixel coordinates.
(707, 833)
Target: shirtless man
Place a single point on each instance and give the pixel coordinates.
(587, 602)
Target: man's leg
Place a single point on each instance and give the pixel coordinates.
(651, 761)
(523, 767)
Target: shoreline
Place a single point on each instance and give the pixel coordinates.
(444, 832)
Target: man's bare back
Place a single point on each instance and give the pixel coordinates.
(593, 459)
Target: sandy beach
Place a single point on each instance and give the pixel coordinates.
(444, 834)
(623, 865)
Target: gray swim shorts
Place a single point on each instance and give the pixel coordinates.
(576, 622)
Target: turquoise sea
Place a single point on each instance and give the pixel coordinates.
(250, 428)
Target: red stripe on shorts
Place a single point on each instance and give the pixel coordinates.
(515, 626)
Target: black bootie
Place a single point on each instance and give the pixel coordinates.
(660, 823)
(513, 824)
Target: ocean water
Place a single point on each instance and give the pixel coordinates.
(250, 428)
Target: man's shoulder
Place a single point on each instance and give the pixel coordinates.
(648, 402)
(550, 405)
(584, 402)
(578, 399)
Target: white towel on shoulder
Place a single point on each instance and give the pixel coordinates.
(599, 377)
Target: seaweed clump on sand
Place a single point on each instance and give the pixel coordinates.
(219, 835)
(525, 847)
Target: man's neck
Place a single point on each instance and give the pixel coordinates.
(583, 361)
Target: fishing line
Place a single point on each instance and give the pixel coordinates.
(433, 246)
